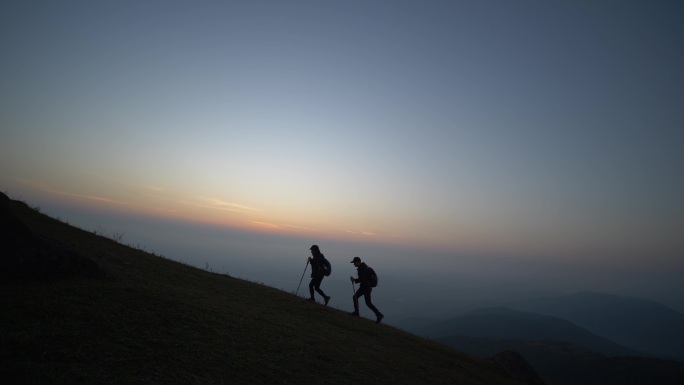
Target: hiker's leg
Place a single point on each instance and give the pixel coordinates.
(317, 286)
(370, 305)
(311, 287)
(356, 300)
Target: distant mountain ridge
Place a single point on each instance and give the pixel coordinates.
(505, 323)
(568, 364)
(636, 323)
(558, 350)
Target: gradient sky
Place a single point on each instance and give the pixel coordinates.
(549, 129)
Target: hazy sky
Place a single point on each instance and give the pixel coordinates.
(545, 129)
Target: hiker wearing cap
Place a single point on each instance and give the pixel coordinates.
(365, 289)
(317, 273)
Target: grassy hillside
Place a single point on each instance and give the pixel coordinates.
(142, 319)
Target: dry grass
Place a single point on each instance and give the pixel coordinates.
(156, 321)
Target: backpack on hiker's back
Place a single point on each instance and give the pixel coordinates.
(327, 267)
(372, 277)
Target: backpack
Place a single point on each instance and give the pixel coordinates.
(372, 277)
(327, 268)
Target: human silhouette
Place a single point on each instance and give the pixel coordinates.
(317, 274)
(364, 290)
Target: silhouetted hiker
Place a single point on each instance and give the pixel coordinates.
(317, 274)
(365, 289)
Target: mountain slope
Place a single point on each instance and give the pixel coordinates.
(504, 323)
(637, 323)
(149, 320)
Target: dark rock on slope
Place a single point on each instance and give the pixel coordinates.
(517, 367)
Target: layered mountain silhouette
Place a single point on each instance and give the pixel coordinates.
(569, 364)
(557, 349)
(505, 323)
(640, 324)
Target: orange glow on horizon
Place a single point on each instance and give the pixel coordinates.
(204, 210)
(467, 237)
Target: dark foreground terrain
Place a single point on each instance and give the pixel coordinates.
(78, 308)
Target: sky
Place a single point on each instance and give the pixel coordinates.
(520, 132)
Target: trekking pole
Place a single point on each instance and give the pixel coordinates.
(300, 280)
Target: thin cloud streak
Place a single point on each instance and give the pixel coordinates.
(209, 206)
(223, 205)
(371, 234)
(89, 197)
(264, 224)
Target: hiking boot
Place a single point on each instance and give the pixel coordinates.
(311, 299)
(354, 314)
(379, 318)
(327, 299)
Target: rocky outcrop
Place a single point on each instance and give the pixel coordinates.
(516, 367)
